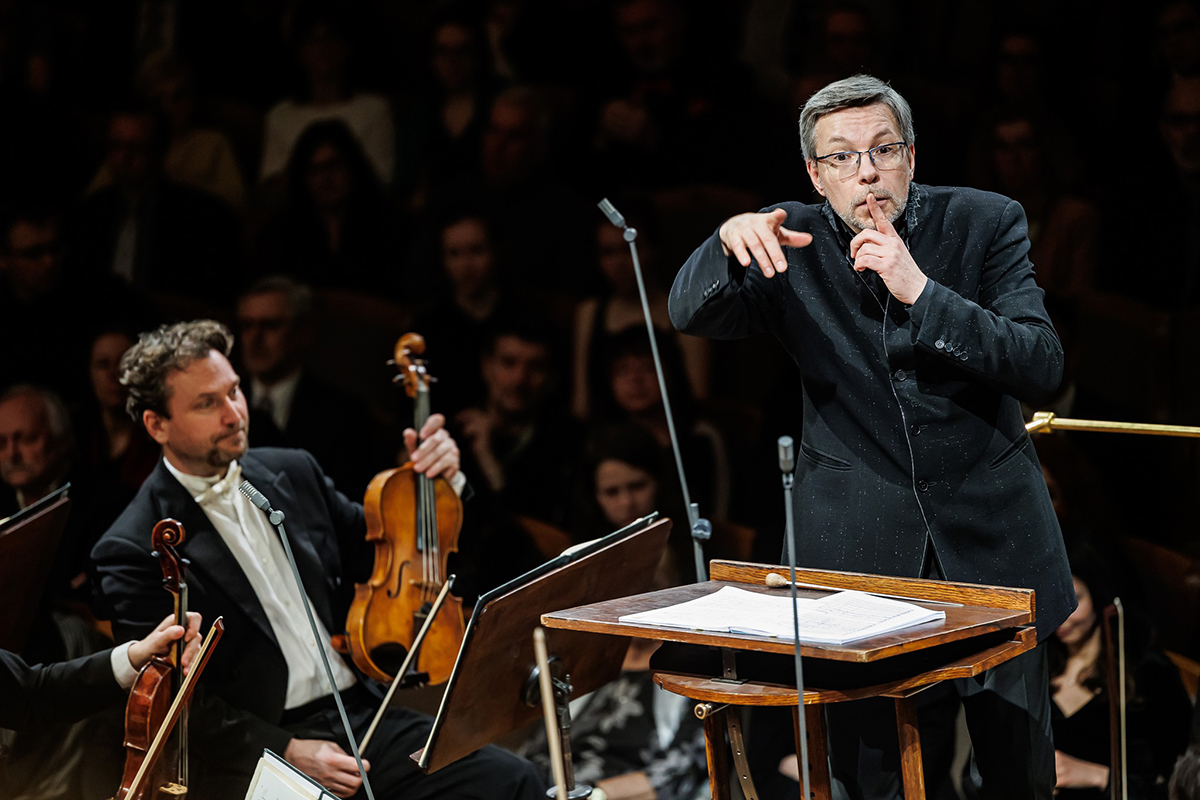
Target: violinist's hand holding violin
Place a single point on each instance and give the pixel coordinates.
(438, 456)
(327, 764)
(158, 642)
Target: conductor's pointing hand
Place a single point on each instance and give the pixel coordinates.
(762, 237)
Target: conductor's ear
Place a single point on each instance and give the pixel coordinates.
(814, 176)
(156, 425)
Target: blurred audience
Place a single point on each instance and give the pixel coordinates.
(156, 235)
(631, 394)
(467, 300)
(597, 319)
(322, 34)
(289, 406)
(1157, 706)
(520, 441)
(196, 156)
(336, 229)
(110, 441)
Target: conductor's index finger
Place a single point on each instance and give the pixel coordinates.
(791, 238)
(881, 221)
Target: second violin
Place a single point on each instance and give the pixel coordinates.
(414, 522)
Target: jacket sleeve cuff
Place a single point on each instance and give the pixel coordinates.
(122, 669)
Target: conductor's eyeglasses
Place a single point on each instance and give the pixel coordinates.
(884, 157)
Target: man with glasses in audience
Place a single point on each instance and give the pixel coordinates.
(913, 316)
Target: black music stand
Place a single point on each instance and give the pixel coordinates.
(486, 696)
(28, 542)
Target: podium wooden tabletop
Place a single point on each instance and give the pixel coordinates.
(961, 622)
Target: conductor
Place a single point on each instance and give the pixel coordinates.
(912, 314)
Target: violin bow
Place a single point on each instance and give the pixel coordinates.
(181, 697)
(408, 659)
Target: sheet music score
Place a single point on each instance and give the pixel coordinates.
(276, 779)
(837, 618)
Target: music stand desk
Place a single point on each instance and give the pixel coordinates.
(993, 625)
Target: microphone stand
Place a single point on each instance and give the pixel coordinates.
(276, 519)
(787, 464)
(701, 528)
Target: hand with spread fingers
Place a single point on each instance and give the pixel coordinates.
(437, 456)
(761, 237)
(883, 251)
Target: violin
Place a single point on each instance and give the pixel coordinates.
(156, 766)
(414, 522)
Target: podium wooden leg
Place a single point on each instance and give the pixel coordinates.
(911, 766)
(818, 750)
(718, 754)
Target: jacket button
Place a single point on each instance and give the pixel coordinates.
(962, 356)
(939, 344)
(900, 375)
(916, 429)
(923, 485)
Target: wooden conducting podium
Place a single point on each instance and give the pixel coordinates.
(723, 670)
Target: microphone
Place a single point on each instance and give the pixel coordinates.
(259, 499)
(611, 212)
(787, 455)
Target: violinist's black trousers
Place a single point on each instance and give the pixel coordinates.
(489, 774)
(1008, 715)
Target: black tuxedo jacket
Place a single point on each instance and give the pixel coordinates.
(55, 693)
(912, 429)
(240, 698)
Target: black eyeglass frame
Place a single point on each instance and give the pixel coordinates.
(870, 153)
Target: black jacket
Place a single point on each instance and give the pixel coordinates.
(240, 699)
(55, 693)
(911, 415)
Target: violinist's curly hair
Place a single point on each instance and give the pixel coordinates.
(146, 366)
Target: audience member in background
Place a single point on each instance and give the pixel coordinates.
(536, 216)
(37, 457)
(665, 110)
(155, 234)
(1064, 230)
(441, 134)
(1174, 282)
(291, 407)
(517, 440)
(322, 35)
(631, 394)
(1157, 706)
(1178, 24)
(335, 229)
(631, 738)
(456, 324)
(109, 441)
(597, 319)
(199, 157)
(36, 296)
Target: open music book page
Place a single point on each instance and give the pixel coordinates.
(837, 618)
(276, 779)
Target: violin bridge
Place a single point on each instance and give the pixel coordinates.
(170, 791)
(428, 585)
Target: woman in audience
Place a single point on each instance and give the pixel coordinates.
(109, 440)
(620, 307)
(336, 229)
(630, 393)
(469, 295)
(321, 32)
(1157, 706)
(441, 135)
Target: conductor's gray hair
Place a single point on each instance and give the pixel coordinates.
(856, 91)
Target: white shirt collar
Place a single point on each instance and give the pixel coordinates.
(201, 487)
(281, 393)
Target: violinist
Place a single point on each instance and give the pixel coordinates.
(71, 690)
(265, 687)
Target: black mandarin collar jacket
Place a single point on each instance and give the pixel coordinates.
(912, 426)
